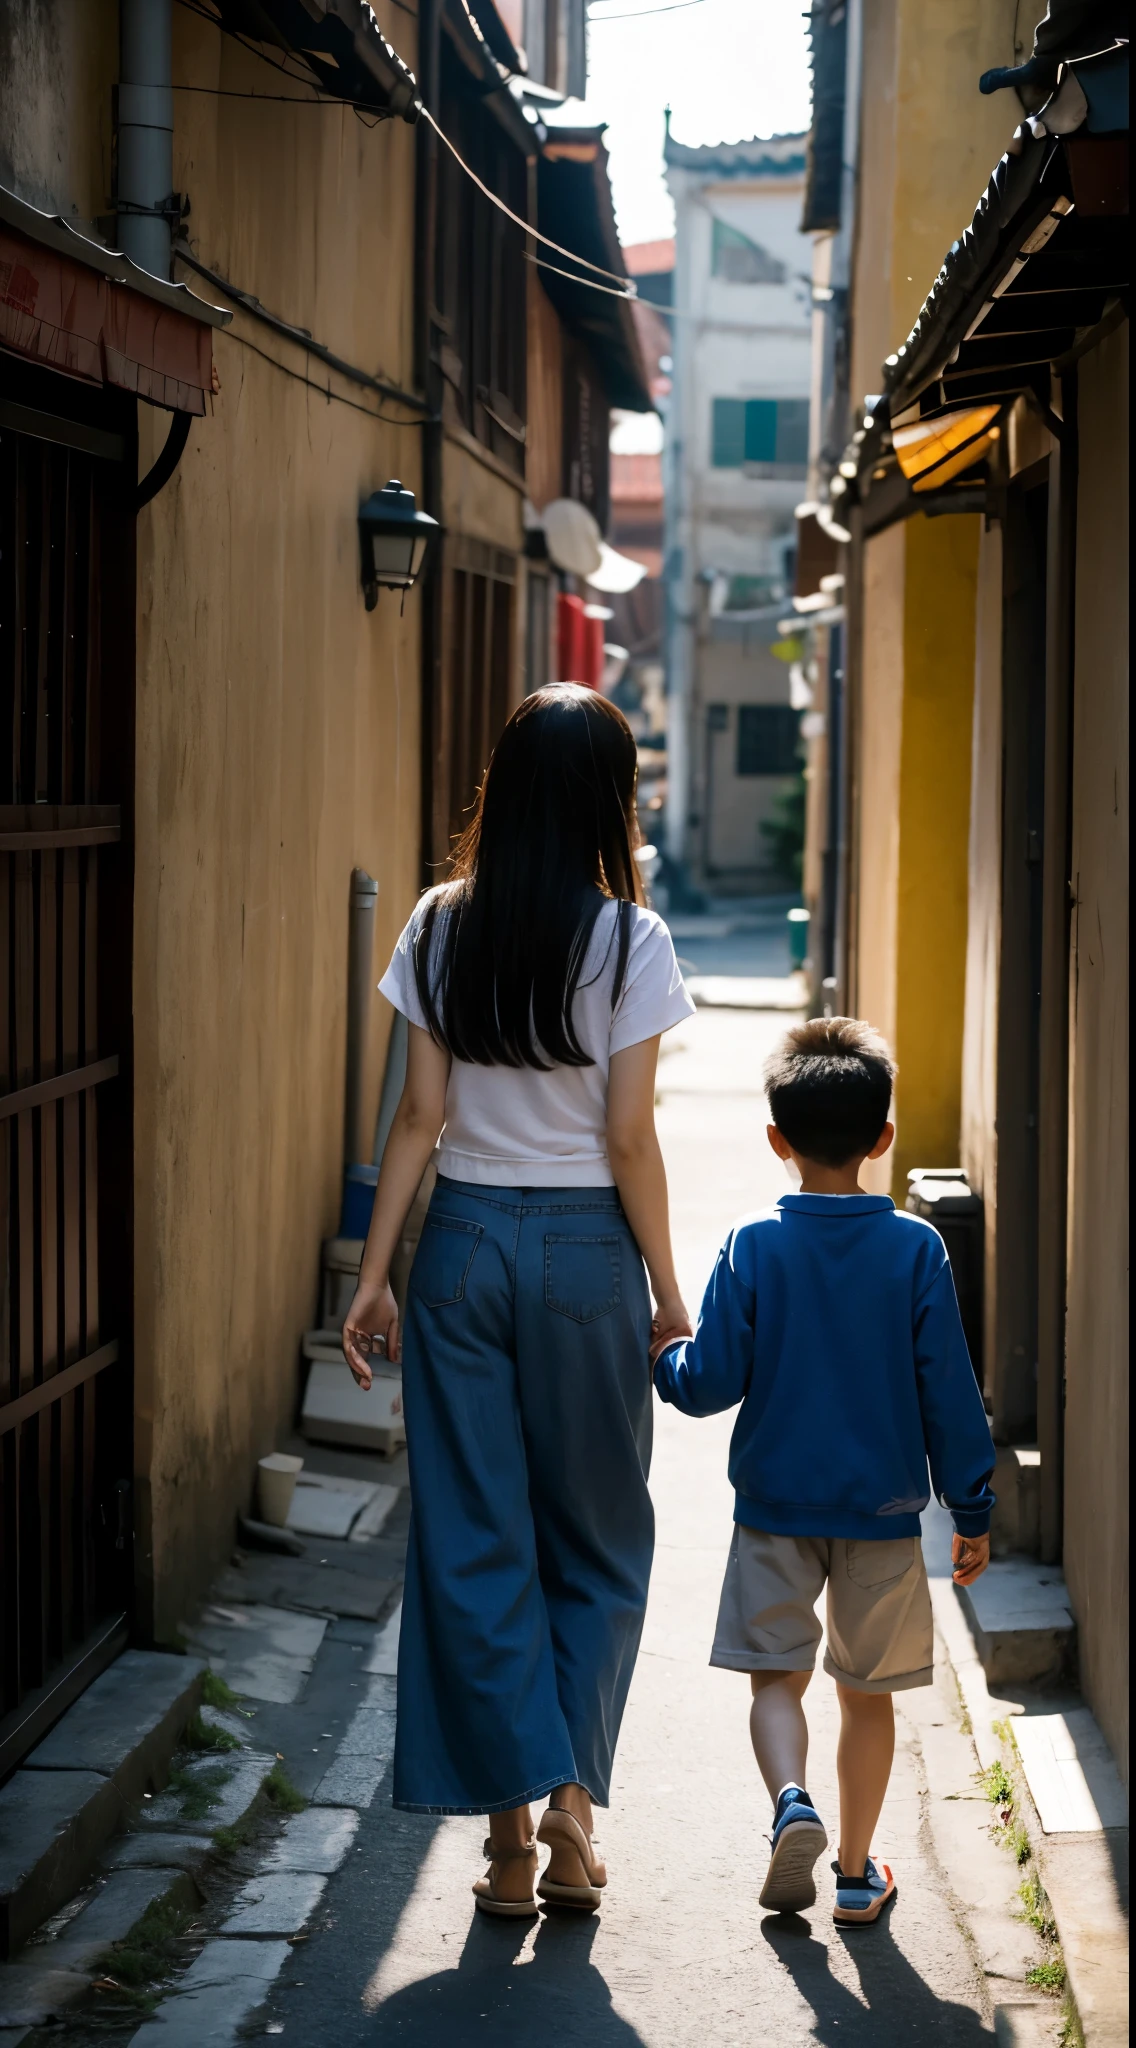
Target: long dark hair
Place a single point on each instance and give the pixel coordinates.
(501, 947)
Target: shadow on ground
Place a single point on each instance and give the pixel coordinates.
(555, 1993)
(900, 2007)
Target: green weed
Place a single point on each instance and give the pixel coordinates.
(997, 1784)
(1071, 2035)
(228, 1840)
(1018, 1842)
(148, 1953)
(1036, 1907)
(215, 1693)
(280, 1790)
(199, 1735)
(196, 1792)
(1048, 1976)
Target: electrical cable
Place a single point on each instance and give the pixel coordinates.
(301, 336)
(625, 284)
(542, 264)
(524, 225)
(324, 390)
(641, 13)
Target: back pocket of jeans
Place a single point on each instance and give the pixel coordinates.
(443, 1259)
(874, 1565)
(581, 1276)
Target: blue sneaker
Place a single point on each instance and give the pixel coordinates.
(798, 1839)
(860, 1900)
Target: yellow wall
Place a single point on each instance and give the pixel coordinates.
(912, 813)
(876, 768)
(934, 818)
(277, 747)
(58, 64)
(277, 738)
(928, 143)
(1097, 1368)
(979, 1132)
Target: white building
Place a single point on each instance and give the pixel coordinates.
(736, 457)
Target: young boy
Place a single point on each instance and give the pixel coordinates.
(832, 1318)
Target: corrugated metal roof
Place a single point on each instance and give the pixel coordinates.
(828, 37)
(771, 156)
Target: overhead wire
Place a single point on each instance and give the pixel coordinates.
(626, 286)
(302, 338)
(546, 242)
(324, 390)
(641, 13)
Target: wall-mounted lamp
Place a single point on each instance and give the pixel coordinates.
(393, 538)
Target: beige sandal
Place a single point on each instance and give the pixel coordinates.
(485, 1888)
(561, 1830)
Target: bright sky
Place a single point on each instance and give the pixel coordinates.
(727, 68)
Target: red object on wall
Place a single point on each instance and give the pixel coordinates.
(579, 643)
(66, 315)
(594, 653)
(571, 656)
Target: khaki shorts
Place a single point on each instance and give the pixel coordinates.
(880, 1636)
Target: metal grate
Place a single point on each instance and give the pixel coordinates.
(65, 1431)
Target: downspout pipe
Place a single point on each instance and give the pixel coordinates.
(145, 133)
(357, 1142)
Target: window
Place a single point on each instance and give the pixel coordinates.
(770, 432)
(741, 261)
(768, 737)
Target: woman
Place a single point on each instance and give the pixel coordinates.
(536, 988)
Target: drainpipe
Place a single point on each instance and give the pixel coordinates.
(357, 1143)
(145, 133)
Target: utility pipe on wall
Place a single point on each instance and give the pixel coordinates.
(357, 1143)
(145, 133)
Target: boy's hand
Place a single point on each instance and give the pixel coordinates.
(370, 1330)
(669, 1323)
(970, 1556)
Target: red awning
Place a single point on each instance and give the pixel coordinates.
(75, 306)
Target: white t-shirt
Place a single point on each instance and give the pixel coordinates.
(518, 1127)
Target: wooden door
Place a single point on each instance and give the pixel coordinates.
(477, 685)
(66, 749)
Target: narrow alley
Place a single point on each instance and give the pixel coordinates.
(544, 543)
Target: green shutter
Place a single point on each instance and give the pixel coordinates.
(728, 433)
(761, 430)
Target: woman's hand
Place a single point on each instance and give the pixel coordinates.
(370, 1329)
(669, 1322)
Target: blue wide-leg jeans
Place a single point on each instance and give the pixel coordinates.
(527, 1390)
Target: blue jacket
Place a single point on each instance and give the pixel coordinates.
(833, 1320)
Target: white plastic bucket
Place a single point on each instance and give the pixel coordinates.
(276, 1483)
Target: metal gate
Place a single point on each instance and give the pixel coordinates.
(66, 752)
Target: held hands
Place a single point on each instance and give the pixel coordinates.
(669, 1322)
(970, 1556)
(370, 1330)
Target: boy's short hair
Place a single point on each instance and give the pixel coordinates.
(829, 1087)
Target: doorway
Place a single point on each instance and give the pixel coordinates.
(67, 468)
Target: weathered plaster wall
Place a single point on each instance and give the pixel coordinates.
(58, 61)
(928, 143)
(277, 748)
(934, 818)
(1097, 1369)
(878, 743)
(979, 1134)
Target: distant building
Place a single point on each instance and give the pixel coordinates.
(735, 465)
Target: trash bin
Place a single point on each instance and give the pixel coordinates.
(798, 937)
(943, 1195)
